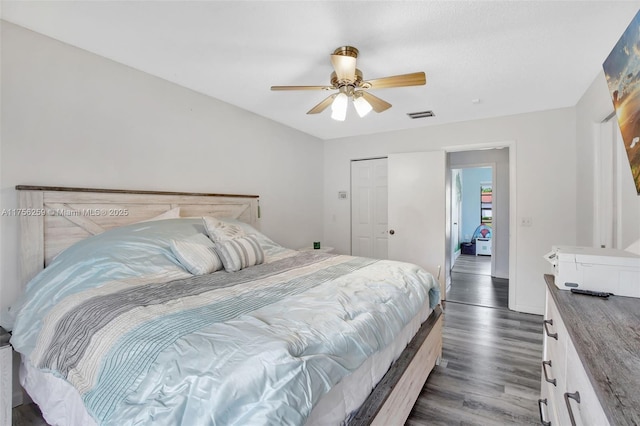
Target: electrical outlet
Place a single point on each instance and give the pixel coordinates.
(526, 222)
(342, 195)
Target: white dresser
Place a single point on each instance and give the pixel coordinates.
(591, 360)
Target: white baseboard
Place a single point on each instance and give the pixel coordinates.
(528, 309)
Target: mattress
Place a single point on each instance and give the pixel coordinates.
(115, 332)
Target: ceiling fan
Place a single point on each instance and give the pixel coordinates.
(349, 83)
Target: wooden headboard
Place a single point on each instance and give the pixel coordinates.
(54, 218)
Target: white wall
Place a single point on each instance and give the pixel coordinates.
(595, 106)
(71, 118)
(545, 183)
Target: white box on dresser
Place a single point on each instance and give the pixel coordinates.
(599, 269)
(6, 392)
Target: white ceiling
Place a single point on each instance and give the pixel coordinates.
(514, 56)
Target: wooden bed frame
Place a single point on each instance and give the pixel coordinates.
(54, 218)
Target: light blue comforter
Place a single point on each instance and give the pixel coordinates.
(144, 342)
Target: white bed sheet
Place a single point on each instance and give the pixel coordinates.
(61, 404)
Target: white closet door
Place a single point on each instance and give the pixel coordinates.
(417, 210)
(369, 208)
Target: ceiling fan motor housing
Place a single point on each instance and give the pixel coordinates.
(346, 51)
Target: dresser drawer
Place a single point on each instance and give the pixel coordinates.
(555, 345)
(558, 414)
(586, 411)
(547, 405)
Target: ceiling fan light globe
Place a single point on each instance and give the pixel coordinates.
(339, 107)
(362, 106)
(339, 115)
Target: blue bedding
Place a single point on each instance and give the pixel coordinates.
(143, 341)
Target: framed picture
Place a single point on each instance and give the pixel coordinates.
(622, 71)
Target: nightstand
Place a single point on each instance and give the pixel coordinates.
(321, 250)
(6, 394)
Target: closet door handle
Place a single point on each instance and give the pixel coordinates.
(546, 377)
(391, 231)
(546, 329)
(574, 396)
(540, 402)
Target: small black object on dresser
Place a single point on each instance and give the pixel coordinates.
(591, 293)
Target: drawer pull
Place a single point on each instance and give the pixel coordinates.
(546, 377)
(540, 402)
(546, 329)
(575, 396)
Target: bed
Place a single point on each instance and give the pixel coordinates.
(119, 325)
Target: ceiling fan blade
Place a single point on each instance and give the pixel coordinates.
(301, 87)
(413, 79)
(376, 103)
(322, 105)
(345, 67)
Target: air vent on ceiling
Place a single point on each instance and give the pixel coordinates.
(421, 114)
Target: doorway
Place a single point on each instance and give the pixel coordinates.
(472, 219)
(478, 217)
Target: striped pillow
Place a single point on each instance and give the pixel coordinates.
(240, 253)
(197, 254)
(218, 230)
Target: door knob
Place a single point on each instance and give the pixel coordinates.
(391, 231)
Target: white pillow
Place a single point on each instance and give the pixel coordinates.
(240, 253)
(219, 231)
(197, 254)
(174, 213)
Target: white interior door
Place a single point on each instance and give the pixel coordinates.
(456, 212)
(417, 210)
(369, 208)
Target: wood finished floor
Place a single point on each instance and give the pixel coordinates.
(490, 374)
(471, 264)
(472, 283)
